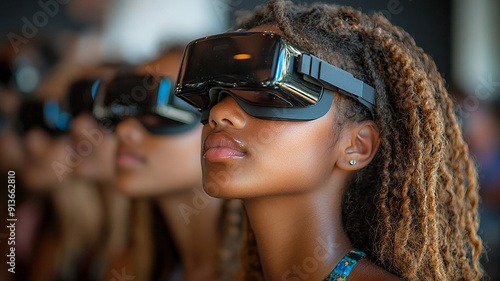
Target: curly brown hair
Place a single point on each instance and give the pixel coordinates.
(414, 208)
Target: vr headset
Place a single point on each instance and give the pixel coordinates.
(47, 116)
(268, 76)
(148, 98)
(81, 96)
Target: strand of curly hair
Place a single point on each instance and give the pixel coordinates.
(230, 227)
(414, 208)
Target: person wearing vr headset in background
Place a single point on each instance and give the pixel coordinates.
(11, 153)
(96, 148)
(20, 74)
(60, 218)
(175, 227)
(338, 134)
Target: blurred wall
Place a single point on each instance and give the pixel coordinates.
(429, 22)
(476, 42)
(135, 30)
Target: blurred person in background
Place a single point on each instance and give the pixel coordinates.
(10, 99)
(98, 164)
(83, 46)
(483, 132)
(60, 218)
(177, 230)
(484, 137)
(11, 156)
(21, 72)
(10, 148)
(97, 147)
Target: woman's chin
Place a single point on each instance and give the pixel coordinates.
(230, 191)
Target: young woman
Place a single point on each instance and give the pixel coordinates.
(176, 232)
(59, 220)
(96, 148)
(337, 132)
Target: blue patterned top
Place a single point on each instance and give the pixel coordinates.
(344, 267)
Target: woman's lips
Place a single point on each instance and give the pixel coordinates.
(220, 146)
(125, 159)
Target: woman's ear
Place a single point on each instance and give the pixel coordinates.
(359, 145)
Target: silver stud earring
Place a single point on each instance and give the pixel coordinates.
(352, 162)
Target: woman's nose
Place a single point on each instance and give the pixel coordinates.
(129, 131)
(227, 113)
(81, 124)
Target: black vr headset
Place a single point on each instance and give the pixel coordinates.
(268, 76)
(48, 116)
(148, 98)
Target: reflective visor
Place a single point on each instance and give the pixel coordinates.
(44, 115)
(257, 67)
(150, 99)
(263, 72)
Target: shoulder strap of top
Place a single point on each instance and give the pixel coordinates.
(344, 267)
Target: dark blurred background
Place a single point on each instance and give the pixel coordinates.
(429, 22)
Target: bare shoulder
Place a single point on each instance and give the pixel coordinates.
(365, 270)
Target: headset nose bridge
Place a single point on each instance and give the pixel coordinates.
(221, 94)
